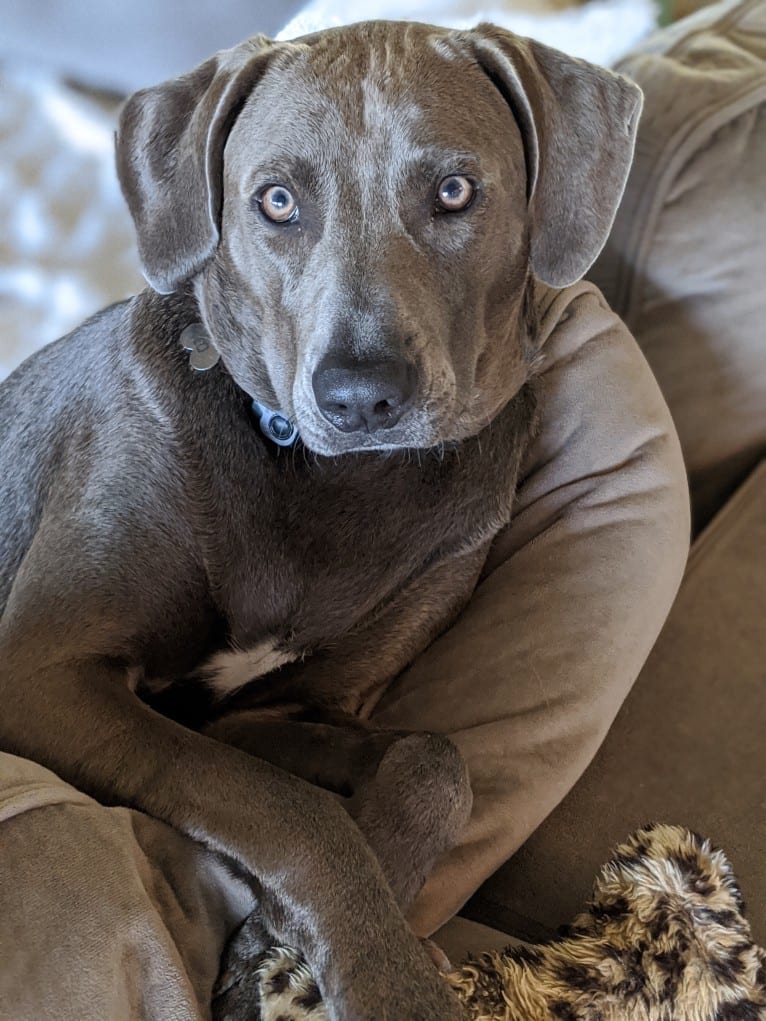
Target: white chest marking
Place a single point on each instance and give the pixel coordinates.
(227, 671)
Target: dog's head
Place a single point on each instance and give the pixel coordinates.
(361, 212)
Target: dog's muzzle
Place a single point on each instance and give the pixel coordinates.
(359, 396)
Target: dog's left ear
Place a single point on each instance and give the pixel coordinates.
(578, 123)
(170, 144)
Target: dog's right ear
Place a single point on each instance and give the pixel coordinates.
(578, 123)
(170, 143)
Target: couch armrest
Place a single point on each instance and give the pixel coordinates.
(687, 747)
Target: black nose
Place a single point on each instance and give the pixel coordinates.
(355, 395)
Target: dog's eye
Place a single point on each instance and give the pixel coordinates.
(454, 193)
(278, 204)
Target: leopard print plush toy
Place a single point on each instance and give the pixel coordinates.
(663, 938)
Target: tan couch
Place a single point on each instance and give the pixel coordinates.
(686, 268)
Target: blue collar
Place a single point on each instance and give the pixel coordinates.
(275, 426)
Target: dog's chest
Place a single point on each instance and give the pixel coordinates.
(302, 553)
(321, 550)
(310, 548)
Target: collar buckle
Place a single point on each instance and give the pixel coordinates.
(275, 426)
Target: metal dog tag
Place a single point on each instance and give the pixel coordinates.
(196, 340)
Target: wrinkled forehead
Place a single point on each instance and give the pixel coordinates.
(390, 92)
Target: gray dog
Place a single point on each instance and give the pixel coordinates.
(207, 579)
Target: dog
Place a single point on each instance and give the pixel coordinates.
(208, 578)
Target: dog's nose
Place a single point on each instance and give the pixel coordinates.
(355, 395)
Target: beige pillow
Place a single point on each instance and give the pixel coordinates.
(686, 262)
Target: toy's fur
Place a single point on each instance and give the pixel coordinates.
(663, 938)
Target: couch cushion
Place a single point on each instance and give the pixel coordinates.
(687, 747)
(686, 261)
(106, 914)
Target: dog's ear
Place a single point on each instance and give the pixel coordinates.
(170, 143)
(578, 123)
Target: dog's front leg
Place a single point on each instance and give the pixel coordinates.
(409, 793)
(336, 756)
(318, 883)
(410, 797)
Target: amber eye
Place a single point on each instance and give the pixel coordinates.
(454, 193)
(278, 204)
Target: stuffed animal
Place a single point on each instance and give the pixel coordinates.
(663, 938)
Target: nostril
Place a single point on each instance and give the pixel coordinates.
(382, 407)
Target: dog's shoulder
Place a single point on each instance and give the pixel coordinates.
(61, 374)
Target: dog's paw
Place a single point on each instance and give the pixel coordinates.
(237, 993)
(287, 988)
(237, 996)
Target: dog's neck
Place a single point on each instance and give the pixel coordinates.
(204, 356)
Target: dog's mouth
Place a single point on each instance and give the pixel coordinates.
(430, 425)
(332, 444)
